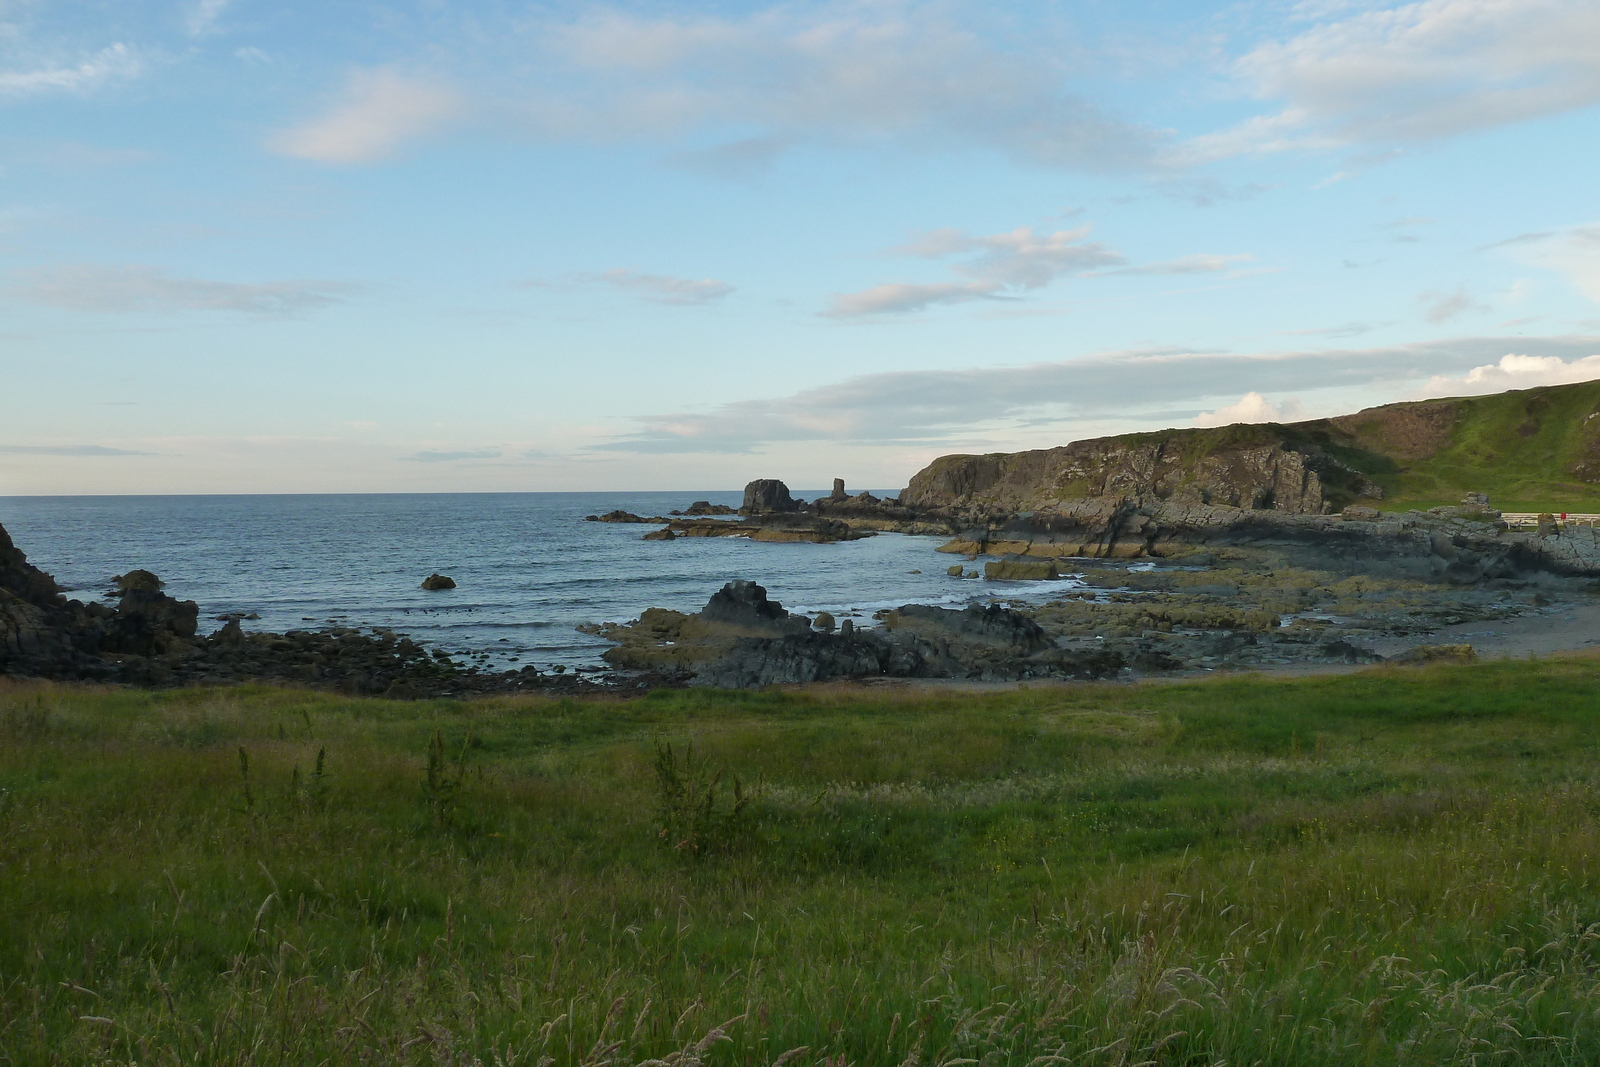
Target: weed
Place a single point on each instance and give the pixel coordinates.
(247, 795)
(693, 821)
(443, 779)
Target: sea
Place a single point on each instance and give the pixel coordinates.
(528, 568)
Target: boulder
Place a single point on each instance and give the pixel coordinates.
(824, 622)
(437, 581)
(663, 534)
(1021, 569)
(1360, 513)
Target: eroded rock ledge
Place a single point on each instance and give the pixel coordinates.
(741, 639)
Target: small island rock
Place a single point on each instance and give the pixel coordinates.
(437, 581)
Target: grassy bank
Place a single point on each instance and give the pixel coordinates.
(1398, 866)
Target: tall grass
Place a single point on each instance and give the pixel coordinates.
(1393, 867)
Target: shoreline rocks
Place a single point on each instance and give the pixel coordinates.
(741, 639)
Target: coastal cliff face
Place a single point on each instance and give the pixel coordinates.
(1256, 467)
(1166, 493)
(1529, 449)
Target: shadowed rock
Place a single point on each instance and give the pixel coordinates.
(767, 496)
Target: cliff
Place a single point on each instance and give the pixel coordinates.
(1530, 449)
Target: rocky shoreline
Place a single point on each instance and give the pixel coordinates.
(148, 638)
(1161, 588)
(1168, 584)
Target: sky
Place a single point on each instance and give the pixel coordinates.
(494, 246)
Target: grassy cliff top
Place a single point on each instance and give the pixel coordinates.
(1529, 449)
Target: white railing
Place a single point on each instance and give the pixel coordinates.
(1531, 518)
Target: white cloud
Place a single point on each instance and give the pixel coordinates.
(1168, 385)
(1005, 266)
(109, 64)
(743, 88)
(380, 111)
(1253, 407)
(665, 289)
(1515, 372)
(1417, 73)
(1573, 252)
(203, 15)
(141, 288)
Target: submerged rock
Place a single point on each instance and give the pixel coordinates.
(622, 516)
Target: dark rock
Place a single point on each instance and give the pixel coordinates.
(706, 507)
(138, 580)
(987, 625)
(838, 491)
(1343, 651)
(663, 534)
(147, 621)
(766, 496)
(623, 516)
(744, 605)
(824, 622)
(437, 581)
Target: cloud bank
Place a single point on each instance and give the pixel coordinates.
(928, 407)
(746, 87)
(67, 450)
(1515, 371)
(1416, 73)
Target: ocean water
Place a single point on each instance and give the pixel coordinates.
(528, 568)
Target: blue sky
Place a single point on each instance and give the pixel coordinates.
(498, 246)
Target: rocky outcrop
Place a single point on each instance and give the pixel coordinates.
(1021, 569)
(772, 527)
(1254, 467)
(743, 640)
(767, 496)
(706, 507)
(1456, 544)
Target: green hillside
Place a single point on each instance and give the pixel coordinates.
(1529, 449)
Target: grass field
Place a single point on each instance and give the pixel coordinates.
(1392, 867)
